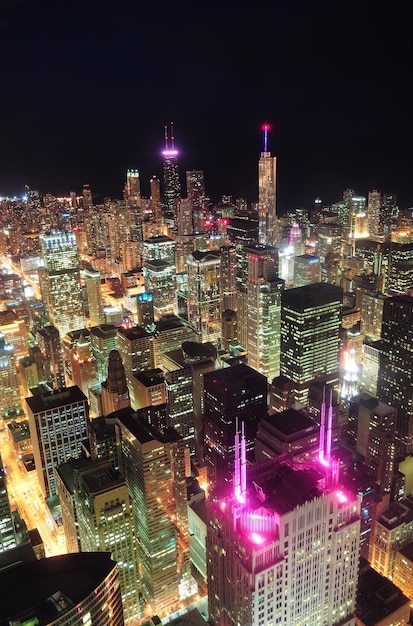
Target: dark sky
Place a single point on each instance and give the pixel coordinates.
(86, 88)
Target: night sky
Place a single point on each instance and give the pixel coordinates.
(87, 88)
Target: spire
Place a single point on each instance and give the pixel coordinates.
(265, 128)
(166, 137)
(116, 381)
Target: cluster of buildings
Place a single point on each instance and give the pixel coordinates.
(219, 397)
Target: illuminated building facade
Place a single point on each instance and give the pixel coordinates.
(307, 270)
(310, 324)
(48, 339)
(171, 332)
(179, 395)
(58, 425)
(8, 537)
(103, 339)
(228, 286)
(283, 549)
(400, 268)
(376, 227)
(115, 394)
(204, 298)
(153, 465)
(92, 279)
(395, 383)
(136, 354)
(14, 330)
(62, 295)
(172, 185)
(10, 403)
(160, 281)
(267, 214)
(106, 524)
(195, 186)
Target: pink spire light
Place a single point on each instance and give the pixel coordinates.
(266, 128)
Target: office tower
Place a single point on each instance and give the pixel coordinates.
(131, 254)
(195, 187)
(115, 394)
(136, 354)
(103, 339)
(204, 298)
(184, 217)
(228, 286)
(144, 310)
(29, 374)
(58, 424)
(170, 333)
(10, 403)
(160, 281)
(395, 383)
(371, 430)
(159, 248)
(286, 432)
(153, 465)
(329, 240)
(14, 330)
(48, 339)
(389, 210)
(282, 548)
(310, 324)
(392, 531)
(8, 537)
(83, 365)
(104, 519)
(179, 395)
(281, 395)
(400, 268)
(69, 344)
(229, 328)
(149, 388)
(267, 215)
(92, 279)
(242, 232)
(172, 186)
(371, 314)
(75, 589)
(232, 394)
(156, 203)
(376, 227)
(87, 198)
(307, 270)
(60, 282)
(133, 189)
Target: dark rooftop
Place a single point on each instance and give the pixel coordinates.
(67, 395)
(377, 598)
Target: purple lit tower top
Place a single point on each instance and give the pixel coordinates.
(172, 186)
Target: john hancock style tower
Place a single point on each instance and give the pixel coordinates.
(172, 186)
(267, 215)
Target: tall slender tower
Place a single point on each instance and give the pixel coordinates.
(172, 186)
(267, 215)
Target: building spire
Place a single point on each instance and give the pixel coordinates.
(266, 128)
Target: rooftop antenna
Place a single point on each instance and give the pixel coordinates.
(166, 137)
(172, 136)
(243, 465)
(237, 477)
(266, 128)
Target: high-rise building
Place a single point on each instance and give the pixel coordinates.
(310, 324)
(8, 537)
(228, 285)
(230, 394)
(58, 425)
(195, 186)
(105, 523)
(160, 281)
(172, 185)
(171, 332)
(14, 330)
(92, 281)
(376, 227)
(204, 298)
(75, 589)
(60, 281)
(283, 549)
(10, 403)
(395, 383)
(103, 339)
(307, 270)
(48, 339)
(155, 200)
(400, 268)
(133, 190)
(136, 354)
(153, 465)
(267, 214)
(115, 394)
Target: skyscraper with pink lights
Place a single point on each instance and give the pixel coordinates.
(172, 186)
(283, 547)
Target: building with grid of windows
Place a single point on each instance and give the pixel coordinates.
(283, 548)
(58, 424)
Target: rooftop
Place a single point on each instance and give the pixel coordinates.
(60, 397)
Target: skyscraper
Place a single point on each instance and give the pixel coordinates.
(60, 282)
(115, 394)
(310, 324)
(10, 403)
(172, 185)
(92, 280)
(136, 354)
(282, 548)
(230, 394)
(195, 186)
(58, 425)
(153, 464)
(267, 215)
(395, 383)
(204, 298)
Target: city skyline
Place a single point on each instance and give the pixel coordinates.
(85, 108)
